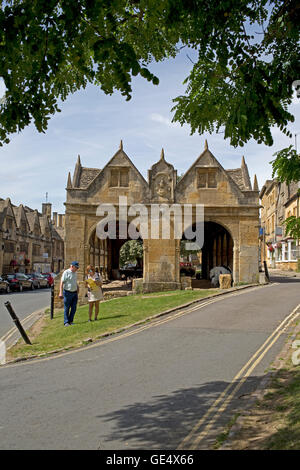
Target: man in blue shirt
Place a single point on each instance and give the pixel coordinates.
(69, 292)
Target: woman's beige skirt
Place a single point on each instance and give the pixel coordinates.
(95, 295)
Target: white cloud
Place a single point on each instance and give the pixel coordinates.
(163, 120)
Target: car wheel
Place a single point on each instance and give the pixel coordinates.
(32, 286)
(20, 288)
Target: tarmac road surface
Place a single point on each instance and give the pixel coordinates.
(23, 303)
(169, 384)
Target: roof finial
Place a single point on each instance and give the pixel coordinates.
(162, 154)
(255, 184)
(205, 145)
(121, 144)
(243, 162)
(78, 160)
(69, 182)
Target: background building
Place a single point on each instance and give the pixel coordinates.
(279, 201)
(29, 240)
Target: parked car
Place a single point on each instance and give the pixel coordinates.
(38, 280)
(49, 277)
(130, 270)
(4, 285)
(18, 281)
(187, 269)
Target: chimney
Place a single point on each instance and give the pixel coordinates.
(55, 219)
(46, 209)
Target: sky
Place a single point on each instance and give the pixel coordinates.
(92, 124)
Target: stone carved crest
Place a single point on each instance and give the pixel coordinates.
(161, 178)
(162, 186)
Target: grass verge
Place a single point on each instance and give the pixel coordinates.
(51, 335)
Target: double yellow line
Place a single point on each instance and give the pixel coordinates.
(25, 322)
(193, 439)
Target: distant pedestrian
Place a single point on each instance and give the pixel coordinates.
(95, 294)
(69, 292)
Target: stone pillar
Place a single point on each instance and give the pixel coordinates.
(248, 252)
(161, 265)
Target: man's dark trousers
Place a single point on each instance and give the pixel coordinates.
(70, 304)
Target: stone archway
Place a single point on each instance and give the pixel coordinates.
(217, 249)
(105, 254)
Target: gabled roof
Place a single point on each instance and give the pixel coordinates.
(33, 219)
(6, 208)
(120, 158)
(83, 176)
(44, 224)
(20, 214)
(207, 160)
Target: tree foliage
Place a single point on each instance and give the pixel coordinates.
(286, 168)
(241, 80)
(292, 227)
(131, 252)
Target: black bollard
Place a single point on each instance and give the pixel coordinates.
(17, 322)
(52, 302)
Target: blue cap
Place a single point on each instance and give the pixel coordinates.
(75, 263)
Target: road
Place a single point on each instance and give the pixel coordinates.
(24, 303)
(158, 386)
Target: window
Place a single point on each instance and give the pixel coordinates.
(119, 177)
(9, 223)
(9, 247)
(36, 250)
(293, 251)
(24, 247)
(207, 178)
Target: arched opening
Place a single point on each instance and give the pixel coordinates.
(105, 254)
(217, 250)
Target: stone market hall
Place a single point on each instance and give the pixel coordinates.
(231, 217)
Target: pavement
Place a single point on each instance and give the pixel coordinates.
(280, 273)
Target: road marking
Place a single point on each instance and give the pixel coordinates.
(24, 322)
(263, 350)
(153, 323)
(2, 352)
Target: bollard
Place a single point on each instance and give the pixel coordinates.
(17, 322)
(52, 302)
(266, 271)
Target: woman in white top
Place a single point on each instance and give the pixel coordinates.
(93, 283)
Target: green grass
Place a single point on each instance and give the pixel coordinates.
(285, 404)
(221, 438)
(114, 314)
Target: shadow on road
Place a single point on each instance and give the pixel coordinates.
(286, 280)
(164, 422)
